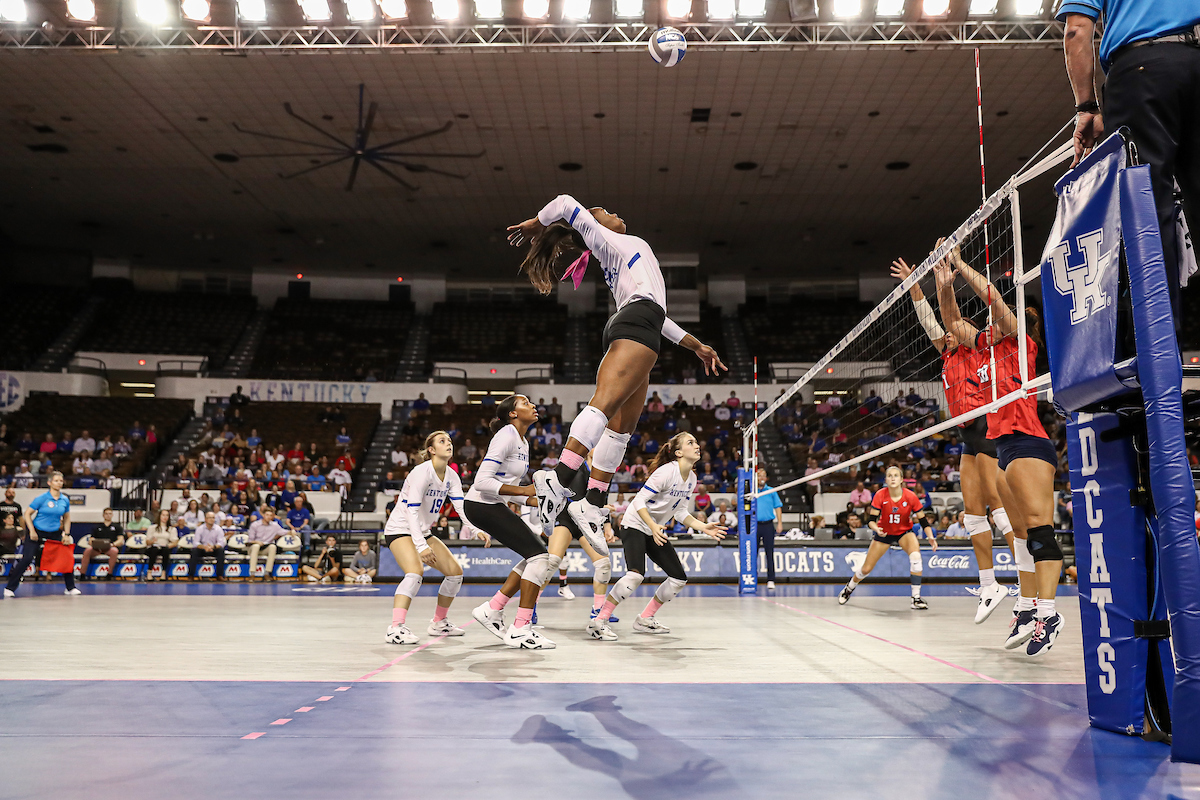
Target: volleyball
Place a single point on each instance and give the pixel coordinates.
(667, 46)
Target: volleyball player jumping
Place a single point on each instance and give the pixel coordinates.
(563, 237)
(967, 386)
(1026, 456)
(418, 505)
(666, 494)
(893, 510)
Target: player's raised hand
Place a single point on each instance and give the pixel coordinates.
(714, 530)
(900, 269)
(523, 232)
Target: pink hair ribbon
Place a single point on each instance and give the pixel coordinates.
(577, 268)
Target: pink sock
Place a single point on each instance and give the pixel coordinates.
(524, 617)
(651, 608)
(595, 484)
(439, 613)
(499, 601)
(598, 600)
(398, 615)
(570, 459)
(606, 610)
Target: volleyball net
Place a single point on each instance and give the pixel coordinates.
(881, 391)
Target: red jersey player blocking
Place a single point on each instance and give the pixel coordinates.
(891, 519)
(965, 378)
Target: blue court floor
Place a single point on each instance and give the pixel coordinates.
(646, 717)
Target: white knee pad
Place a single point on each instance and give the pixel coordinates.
(552, 562)
(668, 589)
(610, 451)
(450, 586)
(1024, 557)
(1000, 517)
(603, 568)
(519, 567)
(626, 586)
(914, 563)
(409, 585)
(537, 570)
(976, 524)
(589, 426)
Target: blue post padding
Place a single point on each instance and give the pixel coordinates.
(747, 533)
(1161, 376)
(1080, 268)
(1110, 555)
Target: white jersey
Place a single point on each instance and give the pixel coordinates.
(630, 267)
(420, 502)
(506, 462)
(665, 495)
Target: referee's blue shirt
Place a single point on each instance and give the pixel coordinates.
(49, 512)
(1128, 21)
(767, 505)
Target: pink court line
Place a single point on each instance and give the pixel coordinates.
(283, 721)
(323, 699)
(303, 710)
(397, 660)
(252, 735)
(342, 689)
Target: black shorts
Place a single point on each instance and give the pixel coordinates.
(640, 321)
(499, 522)
(391, 537)
(975, 441)
(889, 540)
(1016, 445)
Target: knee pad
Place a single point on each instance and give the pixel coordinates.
(519, 567)
(626, 586)
(537, 570)
(1023, 556)
(914, 563)
(603, 568)
(1043, 544)
(450, 585)
(976, 524)
(552, 563)
(589, 426)
(410, 585)
(1000, 517)
(610, 451)
(668, 589)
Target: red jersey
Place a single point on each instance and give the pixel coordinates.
(895, 516)
(1021, 415)
(962, 370)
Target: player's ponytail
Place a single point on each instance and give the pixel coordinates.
(504, 413)
(667, 453)
(550, 253)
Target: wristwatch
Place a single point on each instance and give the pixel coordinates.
(1090, 107)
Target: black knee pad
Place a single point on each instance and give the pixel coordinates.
(1043, 544)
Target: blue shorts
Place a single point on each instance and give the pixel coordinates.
(1012, 446)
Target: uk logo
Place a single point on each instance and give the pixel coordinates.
(1080, 281)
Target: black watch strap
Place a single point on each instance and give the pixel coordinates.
(1090, 107)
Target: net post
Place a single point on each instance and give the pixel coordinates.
(747, 512)
(1014, 205)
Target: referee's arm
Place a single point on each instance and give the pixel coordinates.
(1081, 70)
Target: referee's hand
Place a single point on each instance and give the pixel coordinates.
(1089, 129)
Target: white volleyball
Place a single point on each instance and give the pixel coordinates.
(667, 46)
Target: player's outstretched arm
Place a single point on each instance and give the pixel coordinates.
(925, 315)
(948, 303)
(1002, 317)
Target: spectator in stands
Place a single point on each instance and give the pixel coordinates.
(296, 454)
(812, 487)
(287, 497)
(328, 565)
(275, 458)
(346, 461)
(683, 424)
(449, 406)
(11, 506)
(622, 477)
(722, 413)
(724, 516)
(82, 461)
(211, 474)
(193, 517)
(102, 462)
(391, 484)
(151, 435)
(341, 480)
(262, 534)
(300, 519)
(107, 539)
(137, 432)
(680, 405)
(707, 478)
(48, 446)
(554, 409)
(655, 407)
(707, 404)
(400, 457)
(209, 541)
(860, 498)
(957, 529)
(1064, 510)
(638, 472)
(10, 534)
(139, 523)
(5, 436)
(160, 538)
(343, 437)
(253, 440)
(703, 499)
(84, 442)
(67, 443)
(23, 479)
(86, 481)
(26, 443)
(912, 399)
(923, 496)
(364, 563)
(943, 525)
(421, 405)
(237, 400)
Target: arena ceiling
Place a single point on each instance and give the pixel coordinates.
(114, 153)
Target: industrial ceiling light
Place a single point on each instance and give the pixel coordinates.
(252, 10)
(152, 12)
(721, 9)
(316, 10)
(1027, 8)
(196, 10)
(889, 8)
(536, 9)
(937, 8)
(679, 9)
(446, 10)
(982, 8)
(753, 8)
(489, 9)
(578, 10)
(82, 10)
(847, 9)
(361, 10)
(394, 9)
(629, 8)
(13, 11)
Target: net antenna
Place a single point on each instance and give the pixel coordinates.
(890, 351)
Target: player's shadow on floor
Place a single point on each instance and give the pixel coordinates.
(664, 767)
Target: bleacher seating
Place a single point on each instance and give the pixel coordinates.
(168, 323)
(33, 318)
(674, 362)
(802, 329)
(332, 339)
(529, 330)
(101, 417)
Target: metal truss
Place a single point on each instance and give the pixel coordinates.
(1036, 34)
